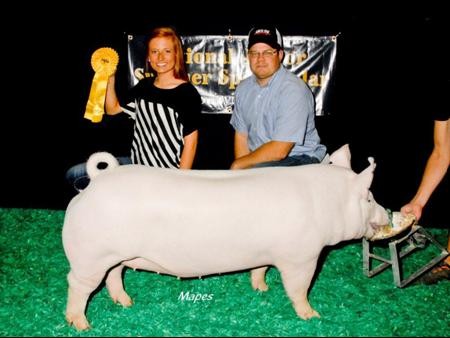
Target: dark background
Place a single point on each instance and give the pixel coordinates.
(389, 66)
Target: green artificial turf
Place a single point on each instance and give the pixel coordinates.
(33, 295)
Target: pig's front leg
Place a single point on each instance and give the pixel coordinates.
(296, 281)
(114, 284)
(258, 277)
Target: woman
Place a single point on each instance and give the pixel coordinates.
(165, 106)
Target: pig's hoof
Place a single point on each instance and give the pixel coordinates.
(307, 314)
(259, 285)
(123, 299)
(80, 322)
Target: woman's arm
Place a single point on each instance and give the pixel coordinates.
(189, 150)
(112, 105)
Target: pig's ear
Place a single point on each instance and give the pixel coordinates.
(364, 179)
(341, 157)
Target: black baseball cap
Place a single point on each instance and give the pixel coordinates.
(268, 35)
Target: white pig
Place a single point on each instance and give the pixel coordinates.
(189, 223)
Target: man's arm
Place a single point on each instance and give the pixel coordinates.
(240, 145)
(270, 151)
(435, 169)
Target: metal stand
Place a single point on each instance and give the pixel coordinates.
(396, 256)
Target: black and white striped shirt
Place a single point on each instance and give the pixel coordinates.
(163, 117)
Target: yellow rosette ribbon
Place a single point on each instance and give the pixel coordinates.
(104, 62)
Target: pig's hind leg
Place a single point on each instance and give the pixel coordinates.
(114, 284)
(79, 291)
(258, 278)
(114, 280)
(296, 281)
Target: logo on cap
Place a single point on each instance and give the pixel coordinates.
(262, 31)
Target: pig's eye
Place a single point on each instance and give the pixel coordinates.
(369, 197)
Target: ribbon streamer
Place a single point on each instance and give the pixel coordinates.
(104, 62)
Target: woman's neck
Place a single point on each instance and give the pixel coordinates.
(167, 81)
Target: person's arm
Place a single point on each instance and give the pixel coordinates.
(189, 149)
(240, 145)
(270, 151)
(112, 105)
(435, 169)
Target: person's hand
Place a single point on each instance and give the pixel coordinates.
(412, 208)
(243, 162)
(236, 165)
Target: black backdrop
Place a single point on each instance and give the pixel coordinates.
(384, 64)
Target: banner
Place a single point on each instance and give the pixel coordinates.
(216, 64)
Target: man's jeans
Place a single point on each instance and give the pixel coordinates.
(289, 162)
(77, 175)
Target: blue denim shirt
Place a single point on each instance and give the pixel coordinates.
(283, 110)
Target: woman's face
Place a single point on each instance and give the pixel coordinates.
(161, 55)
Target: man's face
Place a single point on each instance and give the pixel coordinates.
(264, 61)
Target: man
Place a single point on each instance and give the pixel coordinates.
(274, 111)
(435, 170)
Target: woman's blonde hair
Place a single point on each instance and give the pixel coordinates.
(169, 32)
